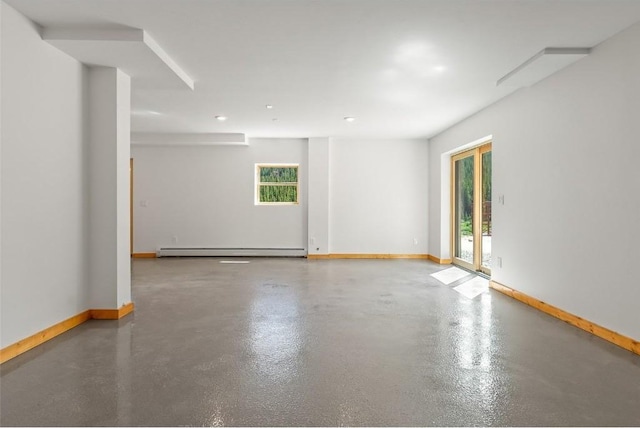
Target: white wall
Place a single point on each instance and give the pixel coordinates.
(44, 195)
(204, 197)
(565, 157)
(369, 196)
(378, 196)
(318, 199)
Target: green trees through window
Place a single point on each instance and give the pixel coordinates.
(465, 178)
(465, 196)
(277, 184)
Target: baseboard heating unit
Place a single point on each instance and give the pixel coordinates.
(231, 252)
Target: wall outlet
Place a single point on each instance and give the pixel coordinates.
(501, 199)
(174, 239)
(143, 203)
(312, 241)
(415, 241)
(499, 261)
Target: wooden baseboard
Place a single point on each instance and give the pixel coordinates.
(112, 314)
(49, 333)
(366, 256)
(143, 255)
(439, 261)
(604, 333)
(40, 337)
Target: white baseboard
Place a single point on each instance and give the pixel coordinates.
(231, 252)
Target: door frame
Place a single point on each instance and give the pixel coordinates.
(477, 153)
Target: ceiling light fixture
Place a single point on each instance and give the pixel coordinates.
(541, 65)
(269, 106)
(221, 118)
(349, 119)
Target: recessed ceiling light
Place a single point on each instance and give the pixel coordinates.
(439, 68)
(269, 106)
(221, 118)
(349, 119)
(274, 119)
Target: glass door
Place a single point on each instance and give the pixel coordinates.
(485, 242)
(464, 250)
(471, 209)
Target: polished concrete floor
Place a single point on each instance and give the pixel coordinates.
(325, 342)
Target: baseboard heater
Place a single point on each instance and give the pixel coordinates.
(231, 252)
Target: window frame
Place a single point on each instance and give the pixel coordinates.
(258, 184)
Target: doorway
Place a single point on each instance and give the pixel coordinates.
(472, 226)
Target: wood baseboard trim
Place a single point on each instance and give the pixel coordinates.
(24, 345)
(143, 255)
(439, 261)
(40, 337)
(366, 256)
(604, 333)
(112, 314)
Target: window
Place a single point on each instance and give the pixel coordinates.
(276, 184)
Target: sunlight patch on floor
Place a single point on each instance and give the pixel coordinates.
(473, 288)
(450, 275)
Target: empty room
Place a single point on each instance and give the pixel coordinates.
(319, 213)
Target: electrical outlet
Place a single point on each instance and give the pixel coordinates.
(499, 260)
(174, 239)
(415, 241)
(501, 199)
(312, 241)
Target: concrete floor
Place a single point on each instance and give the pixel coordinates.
(325, 342)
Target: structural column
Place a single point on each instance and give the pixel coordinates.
(108, 172)
(0, 149)
(318, 200)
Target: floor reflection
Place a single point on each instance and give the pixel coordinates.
(217, 417)
(475, 349)
(276, 333)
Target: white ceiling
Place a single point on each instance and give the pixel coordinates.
(403, 68)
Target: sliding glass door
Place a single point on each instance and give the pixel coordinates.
(471, 208)
(463, 209)
(485, 214)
